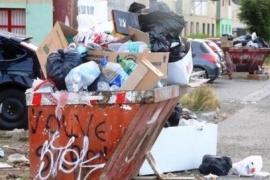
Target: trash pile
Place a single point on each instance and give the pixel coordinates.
(250, 41)
(143, 39)
(215, 166)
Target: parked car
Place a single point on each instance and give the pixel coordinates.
(205, 59)
(219, 52)
(19, 66)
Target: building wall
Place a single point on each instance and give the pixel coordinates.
(38, 16)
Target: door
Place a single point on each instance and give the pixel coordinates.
(13, 20)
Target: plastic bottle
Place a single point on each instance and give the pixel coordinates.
(135, 47)
(103, 86)
(127, 64)
(113, 72)
(82, 76)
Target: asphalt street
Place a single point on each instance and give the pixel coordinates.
(246, 131)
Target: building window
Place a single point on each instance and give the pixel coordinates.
(222, 29)
(203, 28)
(13, 20)
(197, 28)
(186, 29)
(222, 2)
(213, 30)
(229, 2)
(191, 27)
(208, 29)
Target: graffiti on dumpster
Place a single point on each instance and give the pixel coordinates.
(68, 156)
(59, 162)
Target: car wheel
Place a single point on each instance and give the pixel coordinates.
(13, 111)
(203, 76)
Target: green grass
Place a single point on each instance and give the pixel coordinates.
(202, 98)
(198, 36)
(267, 61)
(23, 139)
(3, 135)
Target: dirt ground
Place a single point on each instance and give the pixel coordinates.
(14, 142)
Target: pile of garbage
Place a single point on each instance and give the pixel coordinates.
(72, 68)
(250, 41)
(214, 166)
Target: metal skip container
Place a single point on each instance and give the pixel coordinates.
(95, 135)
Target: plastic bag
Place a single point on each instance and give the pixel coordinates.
(177, 52)
(82, 76)
(136, 7)
(174, 117)
(249, 166)
(59, 64)
(169, 23)
(158, 6)
(158, 41)
(218, 165)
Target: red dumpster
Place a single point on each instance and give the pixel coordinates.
(99, 135)
(248, 59)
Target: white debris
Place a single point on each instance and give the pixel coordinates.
(211, 176)
(126, 107)
(13, 158)
(4, 165)
(261, 175)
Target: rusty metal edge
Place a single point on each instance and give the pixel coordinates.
(105, 97)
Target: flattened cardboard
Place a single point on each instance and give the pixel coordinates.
(225, 42)
(159, 59)
(145, 76)
(57, 39)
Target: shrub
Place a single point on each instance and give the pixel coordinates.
(202, 98)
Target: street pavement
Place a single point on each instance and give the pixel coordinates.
(246, 131)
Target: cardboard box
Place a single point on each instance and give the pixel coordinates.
(225, 42)
(182, 148)
(144, 77)
(158, 59)
(57, 39)
(179, 72)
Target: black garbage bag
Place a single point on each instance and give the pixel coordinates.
(218, 165)
(175, 116)
(177, 52)
(159, 43)
(158, 6)
(136, 7)
(59, 63)
(261, 42)
(169, 23)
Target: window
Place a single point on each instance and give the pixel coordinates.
(197, 28)
(9, 51)
(208, 29)
(213, 30)
(12, 20)
(191, 27)
(203, 28)
(186, 28)
(222, 29)
(229, 2)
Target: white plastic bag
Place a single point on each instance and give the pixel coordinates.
(82, 76)
(249, 166)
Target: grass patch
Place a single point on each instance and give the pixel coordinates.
(23, 139)
(198, 36)
(203, 98)
(267, 61)
(3, 135)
